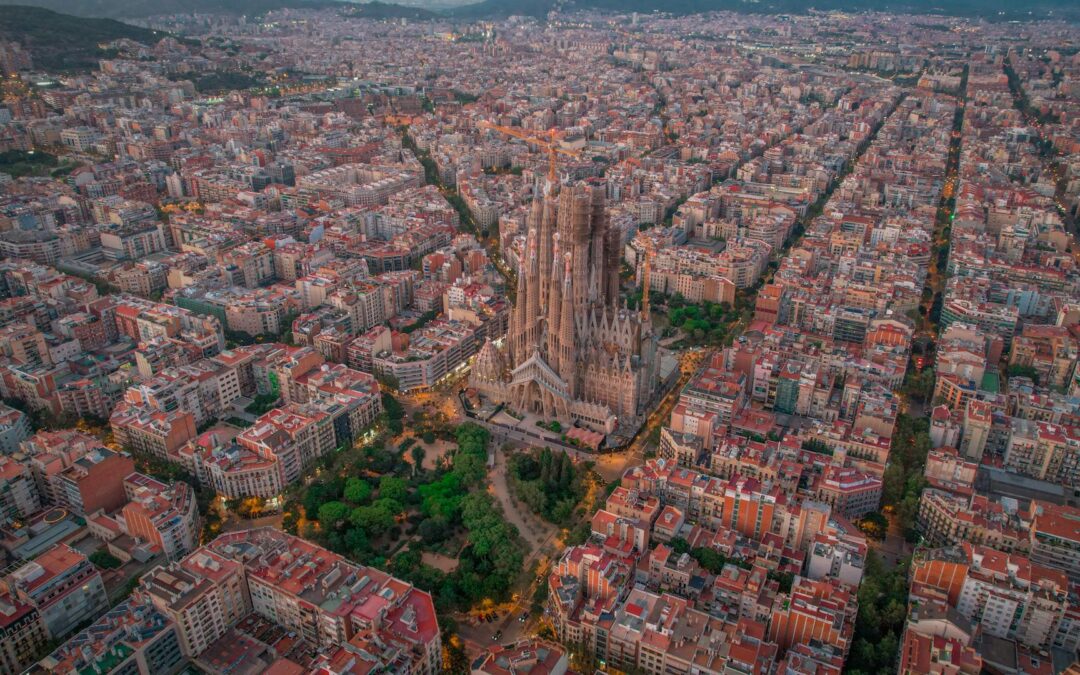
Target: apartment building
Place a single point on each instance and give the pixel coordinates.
(295, 439)
(818, 611)
(155, 432)
(93, 482)
(63, 586)
(19, 496)
(232, 470)
(1054, 537)
(1005, 594)
(339, 608)
(14, 429)
(850, 492)
(22, 634)
(534, 656)
(203, 595)
(132, 638)
(164, 516)
(946, 518)
(430, 354)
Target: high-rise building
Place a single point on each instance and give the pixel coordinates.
(573, 353)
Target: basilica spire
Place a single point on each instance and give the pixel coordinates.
(566, 316)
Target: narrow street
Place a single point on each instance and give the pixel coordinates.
(689, 362)
(1020, 101)
(936, 275)
(895, 547)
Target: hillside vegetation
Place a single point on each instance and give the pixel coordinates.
(60, 42)
(134, 9)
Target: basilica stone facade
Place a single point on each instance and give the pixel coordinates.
(572, 353)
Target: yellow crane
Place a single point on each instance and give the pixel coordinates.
(550, 144)
(647, 249)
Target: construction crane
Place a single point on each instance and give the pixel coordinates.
(647, 249)
(550, 144)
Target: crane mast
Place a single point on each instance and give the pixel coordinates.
(647, 245)
(549, 144)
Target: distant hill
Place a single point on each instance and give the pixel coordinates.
(990, 9)
(135, 9)
(61, 42)
(385, 10)
(489, 9)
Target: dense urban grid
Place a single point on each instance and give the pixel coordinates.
(348, 341)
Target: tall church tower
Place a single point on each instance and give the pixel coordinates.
(574, 353)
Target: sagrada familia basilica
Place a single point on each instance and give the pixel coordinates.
(572, 353)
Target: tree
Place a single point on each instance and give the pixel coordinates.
(903, 479)
(357, 491)
(105, 560)
(487, 567)
(392, 506)
(251, 507)
(1018, 370)
(920, 386)
(404, 563)
(818, 446)
(442, 498)
(433, 530)
(333, 513)
(548, 483)
(892, 490)
(388, 380)
(392, 487)
(710, 560)
(394, 413)
(290, 520)
(317, 494)
(714, 561)
(456, 659)
(545, 466)
(563, 510)
(374, 520)
(882, 612)
(874, 525)
(784, 579)
(418, 454)
(470, 460)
